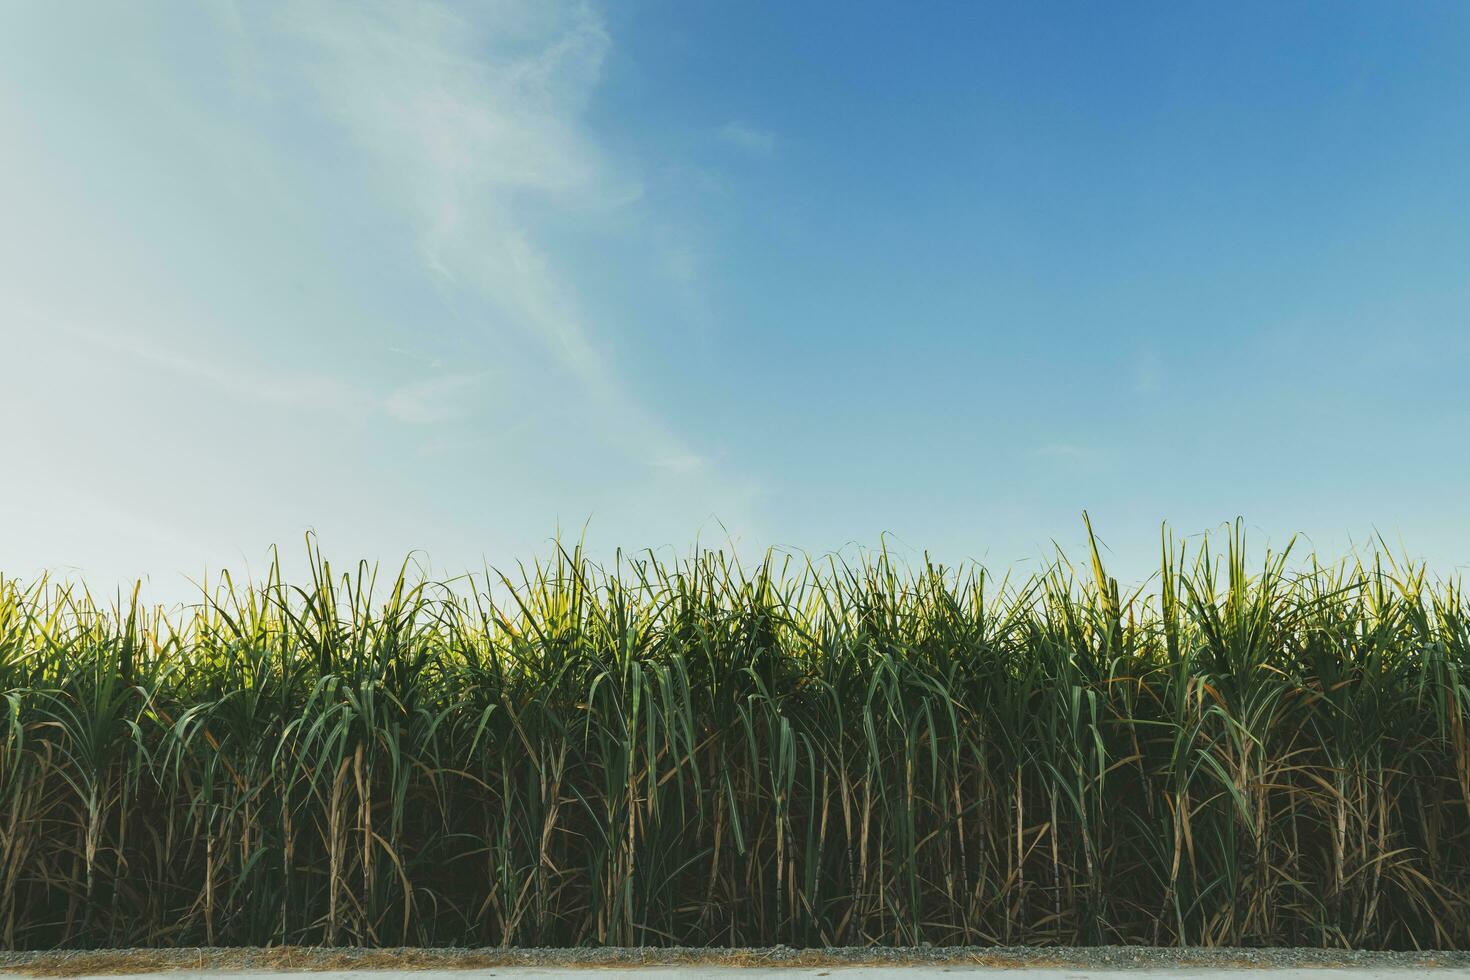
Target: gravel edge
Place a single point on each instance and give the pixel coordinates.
(77, 963)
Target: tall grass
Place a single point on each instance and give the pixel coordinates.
(697, 753)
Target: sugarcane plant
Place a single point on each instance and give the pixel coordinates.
(696, 752)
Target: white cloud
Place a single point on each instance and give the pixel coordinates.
(683, 463)
(286, 388)
(751, 139)
(473, 131)
(435, 400)
(1148, 371)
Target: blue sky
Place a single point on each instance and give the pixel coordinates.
(451, 277)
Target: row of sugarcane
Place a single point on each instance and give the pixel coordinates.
(696, 753)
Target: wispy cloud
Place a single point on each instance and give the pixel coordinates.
(683, 463)
(1148, 371)
(312, 391)
(473, 132)
(751, 139)
(434, 400)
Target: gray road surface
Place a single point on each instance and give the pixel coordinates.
(837, 972)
